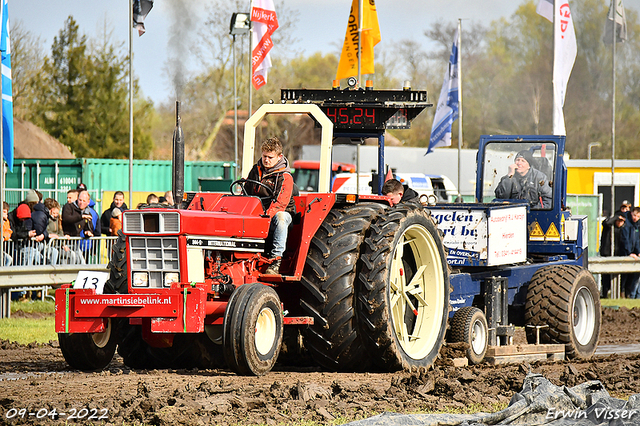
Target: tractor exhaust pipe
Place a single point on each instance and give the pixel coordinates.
(178, 160)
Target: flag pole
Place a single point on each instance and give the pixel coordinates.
(130, 103)
(613, 118)
(360, 20)
(250, 59)
(459, 105)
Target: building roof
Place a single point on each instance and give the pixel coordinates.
(30, 141)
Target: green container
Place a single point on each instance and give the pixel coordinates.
(55, 177)
(215, 185)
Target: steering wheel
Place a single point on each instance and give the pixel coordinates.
(242, 182)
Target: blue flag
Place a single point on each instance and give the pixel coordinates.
(447, 110)
(7, 97)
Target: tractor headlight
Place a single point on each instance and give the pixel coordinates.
(170, 278)
(140, 279)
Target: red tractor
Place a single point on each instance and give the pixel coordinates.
(363, 284)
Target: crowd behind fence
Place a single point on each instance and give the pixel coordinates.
(58, 251)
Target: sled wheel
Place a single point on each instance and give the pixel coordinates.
(89, 351)
(404, 289)
(117, 282)
(566, 298)
(469, 325)
(253, 330)
(328, 288)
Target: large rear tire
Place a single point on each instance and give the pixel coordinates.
(566, 298)
(89, 351)
(253, 330)
(329, 295)
(404, 289)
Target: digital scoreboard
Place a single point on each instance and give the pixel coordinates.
(356, 110)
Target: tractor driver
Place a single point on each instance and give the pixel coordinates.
(525, 182)
(272, 170)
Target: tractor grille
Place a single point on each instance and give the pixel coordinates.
(155, 256)
(139, 222)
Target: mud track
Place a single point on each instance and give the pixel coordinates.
(37, 379)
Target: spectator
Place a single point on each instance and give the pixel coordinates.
(72, 195)
(105, 219)
(140, 205)
(22, 226)
(40, 219)
(6, 232)
(169, 197)
(615, 222)
(630, 238)
(152, 199)
(625, 206)
(54, 227)
(115, 224)
(79, 220)
(399, 193)
(6, 225)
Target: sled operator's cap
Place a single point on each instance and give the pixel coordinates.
(527, 155)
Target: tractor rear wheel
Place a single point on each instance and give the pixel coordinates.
(564, 298)
(89, 351)
(469, 325)
(253, 330)
(404, 289)
(329, 294)
(117, 282)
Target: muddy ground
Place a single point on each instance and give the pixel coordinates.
(36, 378)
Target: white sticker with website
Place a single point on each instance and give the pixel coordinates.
(91, 279)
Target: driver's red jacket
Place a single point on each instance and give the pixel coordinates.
(280, 182)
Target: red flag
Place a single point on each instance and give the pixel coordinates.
(389, 175)
(265, 22)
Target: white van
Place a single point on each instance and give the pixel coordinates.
(438, 187)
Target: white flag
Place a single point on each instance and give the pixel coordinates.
(545, 9)
(265, 22)
(564, 56)
(447, 109)
(616, 14)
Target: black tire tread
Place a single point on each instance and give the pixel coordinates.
(460, 331)
(548, 302)
(372, 306)
(329, 294)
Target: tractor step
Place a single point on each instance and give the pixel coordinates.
(521, 353)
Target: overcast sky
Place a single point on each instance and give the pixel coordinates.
(321, 25)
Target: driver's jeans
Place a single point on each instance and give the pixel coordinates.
(280, 228)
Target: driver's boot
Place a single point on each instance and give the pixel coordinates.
(274, 268)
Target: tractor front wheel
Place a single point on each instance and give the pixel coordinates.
(252, 330)
(565, 300)
(89, 351)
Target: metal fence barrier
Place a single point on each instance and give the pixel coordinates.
(29, 265)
